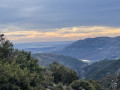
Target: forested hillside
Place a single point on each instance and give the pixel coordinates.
(99, 70)
(47, 58)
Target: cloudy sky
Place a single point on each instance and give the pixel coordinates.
(58, 20)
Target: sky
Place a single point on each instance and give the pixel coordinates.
(25, 21)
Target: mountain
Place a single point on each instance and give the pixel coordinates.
(94, 49)
(96, 71)
(47, 58)
(101, 69)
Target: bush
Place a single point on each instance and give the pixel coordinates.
(12, 77)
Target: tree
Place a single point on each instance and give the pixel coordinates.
(96, 84)
(58, 87)
(19, 71)
(82, 85)
(12, 77)
(26, 61)
(86, 85)
(6, 49)
(63, 74)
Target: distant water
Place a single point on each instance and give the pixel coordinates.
(42, 44)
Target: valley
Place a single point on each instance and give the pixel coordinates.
(92, 58)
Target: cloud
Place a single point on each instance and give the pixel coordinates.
(50, 14)
(50, 20)
(63, 34)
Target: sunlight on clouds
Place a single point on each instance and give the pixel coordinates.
(72, 33)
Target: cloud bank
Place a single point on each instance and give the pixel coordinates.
(63, 34)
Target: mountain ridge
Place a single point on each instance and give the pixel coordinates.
(47, 58)
(94, 49)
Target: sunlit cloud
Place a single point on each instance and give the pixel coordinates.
(63, 34)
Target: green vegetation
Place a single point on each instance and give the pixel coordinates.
(86, 85)
(112, 81)
(101, 69)
(63, 74)
(106, 71)
(19, 71)
(14, 78)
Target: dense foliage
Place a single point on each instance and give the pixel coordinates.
(86, 85)
(19, 71)
(14, 78)
(63, 74)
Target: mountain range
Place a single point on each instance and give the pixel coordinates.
(104, 52)
(93, 49)
(97, 70)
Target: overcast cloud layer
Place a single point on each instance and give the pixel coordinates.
(52, 15)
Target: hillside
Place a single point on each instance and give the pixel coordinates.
(99, 70)
(94, 49)
(47, 58)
